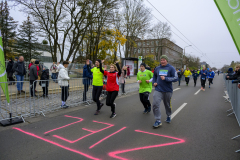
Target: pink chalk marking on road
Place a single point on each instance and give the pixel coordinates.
(93, 132)
(107, 137)
(56, 144)
(115, 153)
(66, 125)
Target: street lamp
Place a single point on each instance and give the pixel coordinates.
(184, 53)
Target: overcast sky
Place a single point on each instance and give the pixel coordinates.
(199, 21)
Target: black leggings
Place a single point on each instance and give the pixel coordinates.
(86, 86)
(195, 81)
(144, 98)
(203, 81)
(65, 93)
(111, 96)
(123, 87)
(96, 92)
(210, 81)
(187, 79)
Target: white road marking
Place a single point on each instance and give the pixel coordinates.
(197, 92)
(178, 110)
(176, 89)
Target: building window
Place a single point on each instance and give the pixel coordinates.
(135, 50)
(143, 43)
(152, 43)
(152, 50)
(139, 50)
(143, 50)
(157, 42)
(139, 43)
(156, 50)
(148, 43)
(148, 50)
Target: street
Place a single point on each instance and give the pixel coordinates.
(200, 130)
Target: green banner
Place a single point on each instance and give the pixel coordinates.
(230, 11)
(3, 74)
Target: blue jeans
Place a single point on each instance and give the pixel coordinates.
(19, 84)
(179, 81)
(54, 76)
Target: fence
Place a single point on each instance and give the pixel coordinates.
(232, 96)
(23, 105)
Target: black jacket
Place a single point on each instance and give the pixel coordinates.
(10, 67)
(19, 68)
(44, 77)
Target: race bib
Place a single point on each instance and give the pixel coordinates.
(163, 72)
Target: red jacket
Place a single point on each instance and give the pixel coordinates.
(128, 71)
(112, 81)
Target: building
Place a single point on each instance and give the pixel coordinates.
(204, 64)
(159, 47)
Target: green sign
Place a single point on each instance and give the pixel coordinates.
(230, 11)
(3, 74)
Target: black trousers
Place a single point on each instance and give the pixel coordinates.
(203, 81)
(195, 80)
(45, 90)
(187, 79)
(65, 93)
(111, 96)
(210, 81)
(144, 98)
(86, 87)
(33, 84)
(96, 92)
(123, 87)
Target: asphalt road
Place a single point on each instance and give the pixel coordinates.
(200, 131)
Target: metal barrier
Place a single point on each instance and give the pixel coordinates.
(25, 104)
(233, 94)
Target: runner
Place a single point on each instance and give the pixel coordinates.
(187, 74)
(203, 74)
(144, 78)
(112, 86)
(163, 77)
(97, 82)
(195, 76)
(210, 77)
(180, 73)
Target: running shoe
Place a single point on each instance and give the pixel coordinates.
(203, 89)
(157, 124)
(149, 109)
(145, 111)
(97, 112)
(101, 105)
(168, 120)
(209, 86)
(64, 106)
(113, 115)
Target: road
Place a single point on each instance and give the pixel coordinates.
(200, 130)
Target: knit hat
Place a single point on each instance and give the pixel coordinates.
(230, 69)
(143, 64)
(16, 57)
(36, 62)
(164, 56)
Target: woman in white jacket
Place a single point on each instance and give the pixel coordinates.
(63, 82)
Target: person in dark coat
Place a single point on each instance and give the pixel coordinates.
(44, 82)
(9, 71)
(87, 78)
(33, 78)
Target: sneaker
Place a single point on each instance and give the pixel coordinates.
(113, 115)
(23, 91)
(168, 120)
(97, 112)
(64, 106)
(157, 124)
(149, 109)
(145, 111)
(203, 89)
(101, 105)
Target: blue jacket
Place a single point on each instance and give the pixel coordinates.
(87, 76)
(204, 76)
(195, 75)
(211, 74)
(170, 76)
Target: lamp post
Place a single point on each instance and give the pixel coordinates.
(184, 53)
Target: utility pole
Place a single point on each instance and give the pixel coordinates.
(184, 53)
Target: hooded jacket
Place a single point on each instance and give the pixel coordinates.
(19, 68)
(204, 74)
(10, 67)
(87, 76)
(170, 76)
(45, 77)
(63, 76)
(210, 74)
(187, 73)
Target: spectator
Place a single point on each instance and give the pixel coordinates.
(87, 77)
(40, 70)
(53, 69)
(20, 70)
(16, 60)
(33, 78)
(148, 68)
(230, 74)
(128, 72)
(63, 79)
(57, 71)
(44, 82)
(179, 73)
(122, 79)
(31, 63)
(9, 71)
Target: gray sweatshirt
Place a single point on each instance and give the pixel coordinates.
(33, 73)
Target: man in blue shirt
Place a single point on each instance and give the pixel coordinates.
(163, 77)
(203, 75)
(210, 77)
